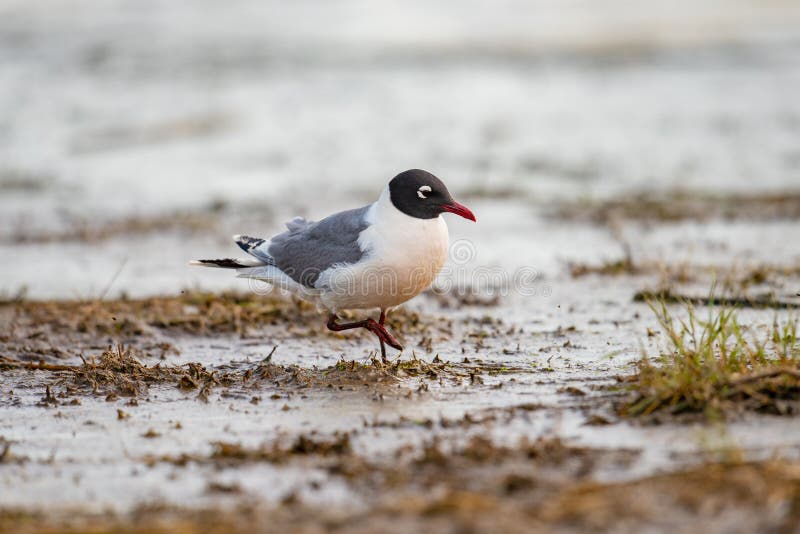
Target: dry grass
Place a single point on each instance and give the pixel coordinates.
(119, 372)
(227, 454)
(716, 365)
(669, 296)
(190, 313)
(679, 205)
(736, 279)
(619, 267)
(92, 231)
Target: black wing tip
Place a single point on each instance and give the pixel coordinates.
(225, 263)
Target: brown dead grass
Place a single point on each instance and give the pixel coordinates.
(52, 331)
(194, 313)
(670, 296)
(190, 313)
(679, 205)
(227, 454)
(119, 372)
(736, 279)
(86, 231)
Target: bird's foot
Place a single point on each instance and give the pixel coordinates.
(383, 334)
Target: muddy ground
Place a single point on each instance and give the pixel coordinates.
(616, 154)
(212, 412)
(234, 410)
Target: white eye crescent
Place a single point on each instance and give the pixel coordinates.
(422, 190)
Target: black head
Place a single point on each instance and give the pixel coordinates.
(422, 195)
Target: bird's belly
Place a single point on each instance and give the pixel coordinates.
(399, 272)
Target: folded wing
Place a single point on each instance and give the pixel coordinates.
(308, 248)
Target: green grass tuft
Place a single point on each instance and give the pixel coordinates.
(716, 365)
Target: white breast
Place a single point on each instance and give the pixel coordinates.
(403, 255)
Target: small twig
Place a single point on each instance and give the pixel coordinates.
(113, 279)
(766, 374)
(268, 359)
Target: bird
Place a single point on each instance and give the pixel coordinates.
(375, 257)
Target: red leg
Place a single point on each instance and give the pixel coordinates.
(337, 327)
(389, 337)
(391, 340)
(371, 325)
(381, 322)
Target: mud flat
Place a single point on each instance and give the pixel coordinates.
(645, 376)
(612, 346)
(234, 411)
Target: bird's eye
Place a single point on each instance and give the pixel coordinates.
(422, 190)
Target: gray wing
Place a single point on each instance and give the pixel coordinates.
(307, 248)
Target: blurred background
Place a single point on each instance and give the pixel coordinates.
(136, 135)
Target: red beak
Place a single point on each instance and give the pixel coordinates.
(459, 209)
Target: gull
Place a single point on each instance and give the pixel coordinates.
(374, 257)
